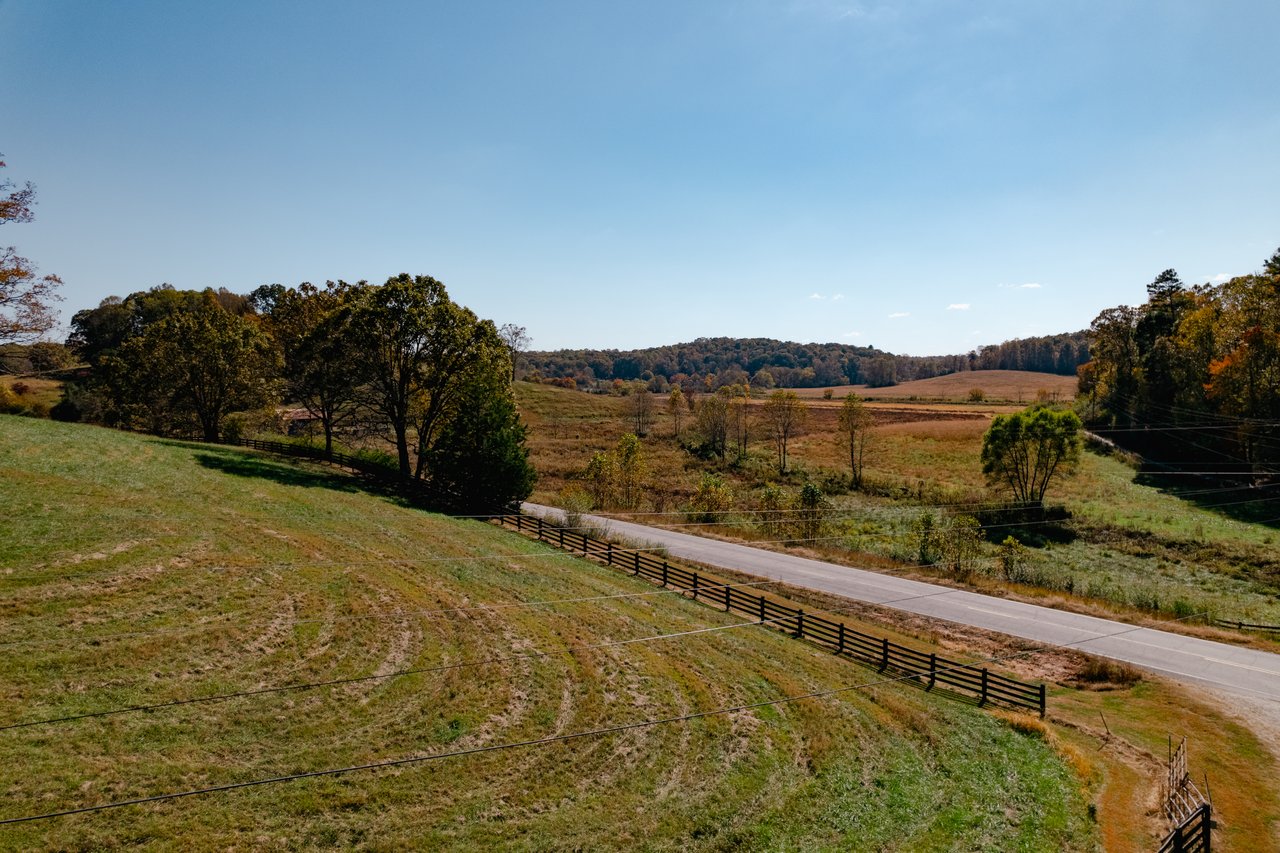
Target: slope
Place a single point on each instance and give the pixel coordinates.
(138, 571)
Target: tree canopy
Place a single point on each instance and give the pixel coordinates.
(398, 361)
(1025, 451)
(1189, 378)
(26, 298)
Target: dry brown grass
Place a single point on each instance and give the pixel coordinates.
(1018, 386)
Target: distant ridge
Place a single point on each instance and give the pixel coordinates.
(764, 361)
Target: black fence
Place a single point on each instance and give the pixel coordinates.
(1246, 626)
(1193, 835)
(922, 669)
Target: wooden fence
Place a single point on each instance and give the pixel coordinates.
(1246, 626)
(927, 670)
(1193, 835)
(1189, 812)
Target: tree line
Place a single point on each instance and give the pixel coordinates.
(708, 364)
(401, 362)
(1192, 376)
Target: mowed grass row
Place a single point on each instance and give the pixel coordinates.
(135, 571)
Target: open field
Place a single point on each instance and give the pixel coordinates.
(139, 571)
(1141, 552)
(1010, 386)
(35, 391)
(1135, 546)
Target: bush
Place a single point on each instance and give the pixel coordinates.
(712, 499)
(977, 395)
(1104, 671)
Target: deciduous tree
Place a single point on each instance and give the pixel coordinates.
(1025, 451)
(855, 435)
(419, 351)
(516, 339)
(195, 365)
(26, 298)
(712, 424)
(313, 328)
(784, 416)
(676, 407)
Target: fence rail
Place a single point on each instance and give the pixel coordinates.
(1189, 812)
(924, 669)
(1245, 626)
(1194, 835)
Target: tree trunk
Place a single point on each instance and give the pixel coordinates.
(402, 448)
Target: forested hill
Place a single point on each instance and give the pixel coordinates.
(768, 362)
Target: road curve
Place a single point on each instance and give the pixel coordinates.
(1247, 672)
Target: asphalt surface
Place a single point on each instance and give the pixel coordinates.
(1246, 672)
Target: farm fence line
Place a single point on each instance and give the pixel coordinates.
(927, 670)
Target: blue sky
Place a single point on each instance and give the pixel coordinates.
(919, 176)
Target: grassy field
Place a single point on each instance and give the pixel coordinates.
(1141, 552)
(1136, 546)
(1009, 386)
(33, 392)
(139, 571)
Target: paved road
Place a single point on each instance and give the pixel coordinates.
(1244, 671)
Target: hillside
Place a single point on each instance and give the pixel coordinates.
(146, 571)
(721, 361)
(1012, 386)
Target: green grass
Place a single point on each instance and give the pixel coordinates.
(1138, 545)
(138, 570)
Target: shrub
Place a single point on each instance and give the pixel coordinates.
(977, 395)
(712, 499)
(1104, 671)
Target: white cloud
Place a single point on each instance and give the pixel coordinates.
(815, 296)
(1221, 277)
(853, 334)
(899, 314)
(837, 297)
(1031, 285)
(958, 306)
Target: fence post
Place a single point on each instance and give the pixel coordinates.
(800, 623)
(1042, 703)
(983, 699)
(695, 586)
(884, 654)
(541, 525)
(760, 601)
(561, 537)
(933, 669)
(664, 572)
(635, 561)
(840, 640)
(728, 598)
(519, 522)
